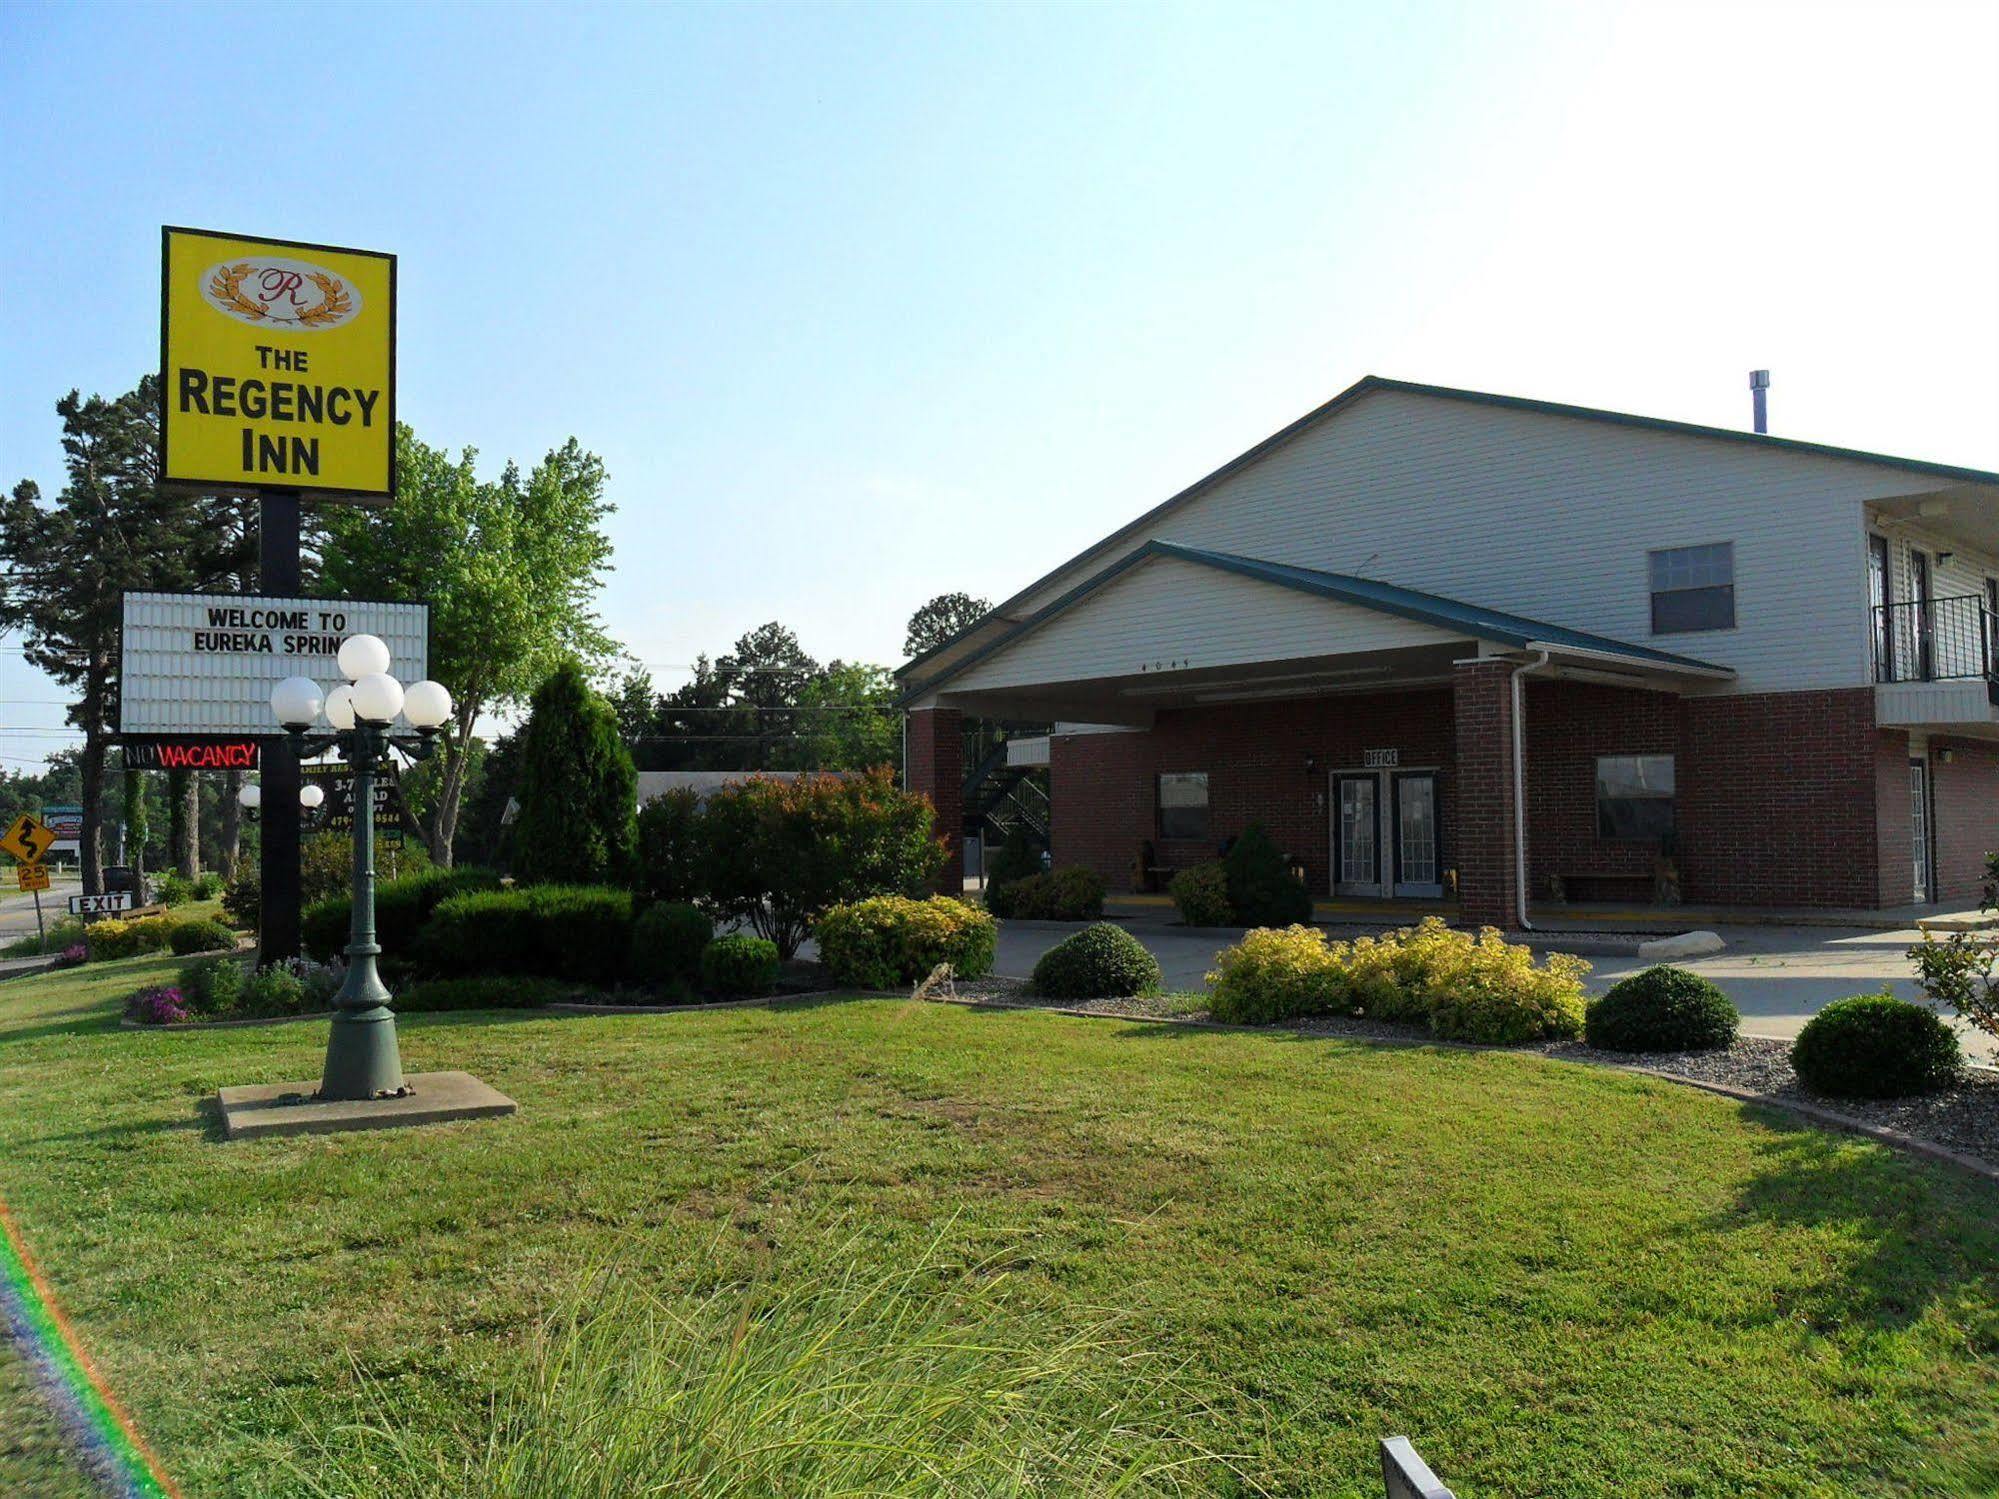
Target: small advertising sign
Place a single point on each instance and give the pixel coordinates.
(188, 752)
(277, 365)
(205, 663)
(336, 813)
(66, 822)
(108, 904)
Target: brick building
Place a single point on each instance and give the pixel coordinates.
(1444, 644)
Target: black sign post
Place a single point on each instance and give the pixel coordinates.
(278, 577)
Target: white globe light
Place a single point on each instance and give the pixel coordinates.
(340, 707)
(378, 697)
(296, 701)
(363, 656)
(251, 796)
(426, 705)
(311, 796)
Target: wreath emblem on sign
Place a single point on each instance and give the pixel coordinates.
(226, 287)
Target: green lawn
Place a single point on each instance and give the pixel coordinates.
(1556, 1280)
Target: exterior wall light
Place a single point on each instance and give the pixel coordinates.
(310, 796)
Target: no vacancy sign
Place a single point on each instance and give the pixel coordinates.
(277, 365)
(205, 663)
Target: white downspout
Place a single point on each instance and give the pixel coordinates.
(1520, 786)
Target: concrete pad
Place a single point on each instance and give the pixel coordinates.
(291, 1109)
(1681, 945)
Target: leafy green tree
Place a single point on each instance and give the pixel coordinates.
(578, 791)
(944, 616)
(510, 569)
(847, 720)
(64, 566)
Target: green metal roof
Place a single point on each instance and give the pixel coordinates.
(1474, 621)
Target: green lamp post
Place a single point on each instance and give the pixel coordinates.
(362, 1060)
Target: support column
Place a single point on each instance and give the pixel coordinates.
(934, 766)
(278, 577)
(1482, 701)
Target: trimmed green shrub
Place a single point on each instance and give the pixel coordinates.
(172, 889)
(740, 965)
(578, 790)
(1201, 896)
(211, 986)
(775, 854)
(1099, 962)
(207, 885)
(243, 901)
(1262, 890)
(402, 906)
(667, 943)
(888, 941)
(482, 992)
(1277, 974)
(1015, 859)
(1662, 1009)
(1070, 894)
(273, 990)
(200, 936)
(1876, 1046)
(580, 932)
(669, 833)
(1488, 990)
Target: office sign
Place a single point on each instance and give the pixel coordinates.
(108, 904)
(205, 663)
(277, 365)
(1381, 759)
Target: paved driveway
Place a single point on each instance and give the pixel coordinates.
(1779, 977)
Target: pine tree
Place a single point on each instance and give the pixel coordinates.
(578, 791)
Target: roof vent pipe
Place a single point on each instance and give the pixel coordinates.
(1759, 392)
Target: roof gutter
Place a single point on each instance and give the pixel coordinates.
(1683, 666)
(1520, 786)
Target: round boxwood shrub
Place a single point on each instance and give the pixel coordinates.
(200, 936)
(1262, 889)
(667, 942)
(739, 965)
(888, 941)
(1875, 1046)
(1201, 896)
(1662, 1009)
(1099, 962)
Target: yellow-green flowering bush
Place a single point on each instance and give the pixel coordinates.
(1471, 988)
(1276, 973)
(887, 941)
(125, 939)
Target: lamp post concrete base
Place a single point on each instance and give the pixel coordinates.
(292, 1108)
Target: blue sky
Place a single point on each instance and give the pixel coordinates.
(861, 304)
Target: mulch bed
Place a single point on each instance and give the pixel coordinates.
(1963, 1118)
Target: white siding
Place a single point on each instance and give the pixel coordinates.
(1551, 517)
(1165, 614)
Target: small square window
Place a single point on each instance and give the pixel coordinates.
(1634, 798)
(1183, 804)
(1693, 588)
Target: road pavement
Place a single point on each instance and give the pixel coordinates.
(17, 911)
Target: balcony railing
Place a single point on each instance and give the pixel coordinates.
(1935, 640)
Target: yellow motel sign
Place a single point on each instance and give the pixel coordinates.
(28, 838)
(277, 365)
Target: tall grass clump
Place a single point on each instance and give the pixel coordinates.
(847, 1379)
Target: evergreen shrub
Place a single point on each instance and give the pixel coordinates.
(1876, 1046)
(1100, 962)
(740, 966)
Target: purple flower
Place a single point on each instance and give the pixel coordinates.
(71, 956)
(161, 1005)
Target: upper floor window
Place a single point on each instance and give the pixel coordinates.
(1693, 588)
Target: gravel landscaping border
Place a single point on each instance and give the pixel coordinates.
(1959, 1124)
